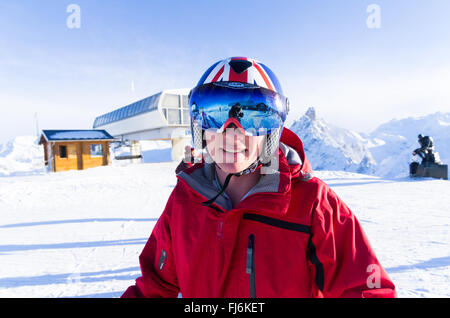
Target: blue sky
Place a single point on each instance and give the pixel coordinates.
(322, 51)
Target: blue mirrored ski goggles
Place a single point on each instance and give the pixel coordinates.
(257, 110)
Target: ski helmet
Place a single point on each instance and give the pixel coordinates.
(243, 92)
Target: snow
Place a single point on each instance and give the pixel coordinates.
(21, 156)
(80, 233)
(407, 222)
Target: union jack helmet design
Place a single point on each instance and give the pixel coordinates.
(243, 70)
(243, 92)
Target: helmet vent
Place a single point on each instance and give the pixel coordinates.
(239, 66)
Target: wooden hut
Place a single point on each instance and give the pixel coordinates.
(75, 149)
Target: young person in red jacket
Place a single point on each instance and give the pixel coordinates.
(251, 220)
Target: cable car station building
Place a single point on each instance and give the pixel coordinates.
(163, 116)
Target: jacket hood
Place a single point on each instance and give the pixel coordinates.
(294, 152)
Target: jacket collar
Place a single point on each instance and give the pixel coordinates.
(272, 193)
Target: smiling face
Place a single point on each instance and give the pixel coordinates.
(233, 151)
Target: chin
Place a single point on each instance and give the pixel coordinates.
(233, 167)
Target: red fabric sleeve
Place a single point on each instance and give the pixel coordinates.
(342, 260)
(157, 263)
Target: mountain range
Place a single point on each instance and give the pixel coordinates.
(385, 152)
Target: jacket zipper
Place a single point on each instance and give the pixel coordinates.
(220, 230)
(250, 268)
(162, 260)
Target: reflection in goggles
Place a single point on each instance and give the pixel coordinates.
(257, 109)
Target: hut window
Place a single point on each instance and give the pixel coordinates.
(63, 151)
(96, 150)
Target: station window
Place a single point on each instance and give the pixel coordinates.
(174, 117)
(175, 109)
(185, 101)
(153, 103)
(185, 109)
(186, 116)
(171, 101)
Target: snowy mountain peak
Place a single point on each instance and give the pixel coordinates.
(311, 113)
(433, 124)
(332, 148)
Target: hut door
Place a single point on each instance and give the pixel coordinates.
(79, 156)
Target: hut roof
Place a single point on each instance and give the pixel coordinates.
(75, 135)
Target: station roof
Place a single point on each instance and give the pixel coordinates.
(144, 105)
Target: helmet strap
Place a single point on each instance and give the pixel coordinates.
(225, 185)
(257, 164)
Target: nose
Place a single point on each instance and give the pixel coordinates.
(233, 124)
(232, 136)
(233, 131)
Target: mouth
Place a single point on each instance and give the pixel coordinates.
(234, 151)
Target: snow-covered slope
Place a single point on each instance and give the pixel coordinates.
(332, 148)
(98, 220)
(20, 156)
(86, 239)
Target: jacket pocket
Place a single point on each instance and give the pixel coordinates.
(250, 268)
(296, 227)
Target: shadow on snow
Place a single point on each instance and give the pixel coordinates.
(28, 247)
(130, 273)
(77, 221)
(431, 263)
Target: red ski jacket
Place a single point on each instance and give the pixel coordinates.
(290, 236)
